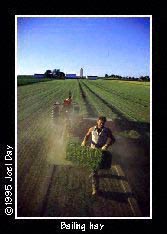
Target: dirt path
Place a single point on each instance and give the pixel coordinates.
(65, 191)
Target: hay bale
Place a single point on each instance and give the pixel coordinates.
(83, 156)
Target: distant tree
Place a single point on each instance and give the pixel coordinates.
(147, 78)
(144, 78)
(57, 74)
(62, 75)
(106, 75)
(48, 74)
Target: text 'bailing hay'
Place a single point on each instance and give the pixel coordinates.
(83, 156)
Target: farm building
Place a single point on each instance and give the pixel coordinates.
(81, 72)
(92, 77)
(39, 75)
(71, 76)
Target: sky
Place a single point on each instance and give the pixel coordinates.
(99, 45)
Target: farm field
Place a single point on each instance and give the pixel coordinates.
(48, 185)
(24, 80)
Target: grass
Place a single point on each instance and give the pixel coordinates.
(133, 101)
(26, 80)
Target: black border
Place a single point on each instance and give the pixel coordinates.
(8, 107)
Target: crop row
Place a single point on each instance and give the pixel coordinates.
(129, 94)
(100, 108)
(129, 109)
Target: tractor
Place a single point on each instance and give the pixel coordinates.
(66, 113)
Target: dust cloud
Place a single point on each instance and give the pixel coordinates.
(57, 136)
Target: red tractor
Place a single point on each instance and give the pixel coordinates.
(66, 113)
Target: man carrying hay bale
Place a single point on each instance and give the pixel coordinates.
(101, 138)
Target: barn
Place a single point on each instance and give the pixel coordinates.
(39, 76)
(71, 76)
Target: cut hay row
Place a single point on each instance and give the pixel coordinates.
(98, 105)
(131, 110)
(134, 94)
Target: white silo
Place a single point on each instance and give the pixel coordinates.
(81, 72)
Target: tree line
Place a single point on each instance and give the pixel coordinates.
(141, 78)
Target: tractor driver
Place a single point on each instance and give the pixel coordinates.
(67, 101)
(67, 108)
